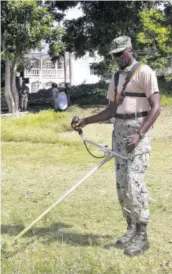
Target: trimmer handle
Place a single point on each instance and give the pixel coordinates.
(74, 124)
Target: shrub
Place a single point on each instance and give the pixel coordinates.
(89, 93)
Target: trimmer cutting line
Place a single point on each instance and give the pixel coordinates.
(108, 155)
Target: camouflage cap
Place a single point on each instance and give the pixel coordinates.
(120, 43)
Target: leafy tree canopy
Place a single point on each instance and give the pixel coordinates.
(61, 5)
(168, 12)
(101, 22)
(155, 37)
(57, 8)
(25, 25)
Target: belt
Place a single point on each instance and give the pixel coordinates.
(131, 115)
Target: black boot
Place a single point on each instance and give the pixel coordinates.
(139, 243)
(129, 235)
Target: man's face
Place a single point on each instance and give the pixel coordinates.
(123, 58)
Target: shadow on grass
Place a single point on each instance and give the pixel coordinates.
(15, 229)
(54, 233)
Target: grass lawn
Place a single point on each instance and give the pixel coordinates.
(41, 159)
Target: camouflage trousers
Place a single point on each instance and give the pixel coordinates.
(131, 188)
(24, 102)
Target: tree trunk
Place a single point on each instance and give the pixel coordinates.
(14, 90)
(70, 69)
(70, 78)
(8, 94)
(64, 68)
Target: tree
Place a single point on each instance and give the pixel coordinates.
(168, 12)
(155, 37)
(25, 25)
(101, 23)
(57, 10)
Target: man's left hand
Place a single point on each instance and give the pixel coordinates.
(133, 141)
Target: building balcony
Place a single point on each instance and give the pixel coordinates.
(45, 73)
(32, 72)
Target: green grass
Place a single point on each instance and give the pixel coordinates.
(166, 100)
(71, 238)
(42, 127)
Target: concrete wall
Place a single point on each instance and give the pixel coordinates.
(81, 73)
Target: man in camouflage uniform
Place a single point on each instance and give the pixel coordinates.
(135, 114)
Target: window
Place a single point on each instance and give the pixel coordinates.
(59, 64)
(48, 84)
(35, 63)
(93, 71)
(34, 87)
(48, 64)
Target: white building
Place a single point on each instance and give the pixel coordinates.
(43, 72)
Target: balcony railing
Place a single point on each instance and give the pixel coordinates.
(49, 72)
(46, 73)
(32, 72)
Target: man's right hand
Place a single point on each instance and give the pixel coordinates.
(77, 122)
